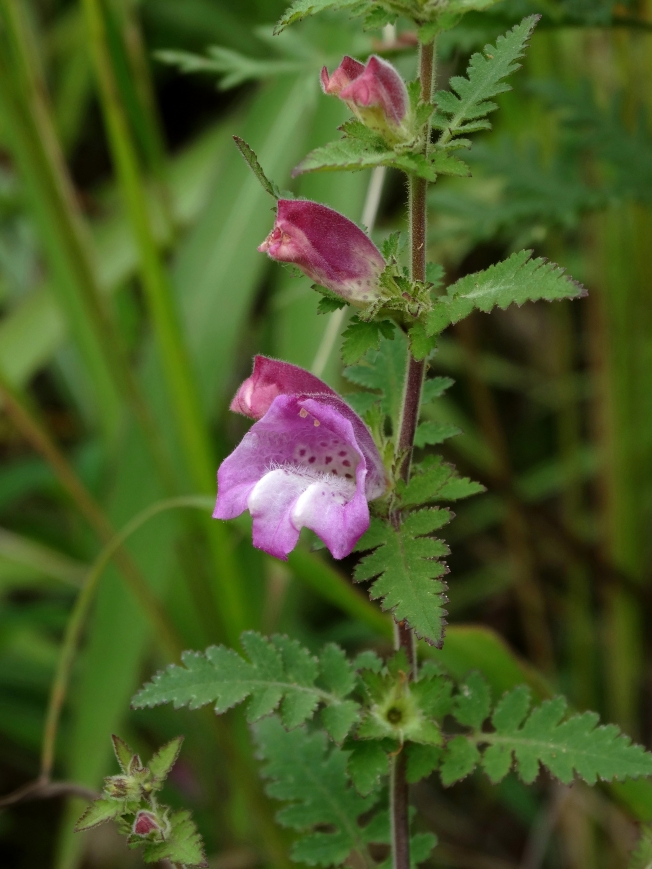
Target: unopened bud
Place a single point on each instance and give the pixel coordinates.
(271, 378)
(375, 93)
(145, 824)
(327, 247)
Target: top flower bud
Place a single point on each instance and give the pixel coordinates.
(375, 93)
(327, 247)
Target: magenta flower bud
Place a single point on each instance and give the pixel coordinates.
(310, 462)
(375, 93)
(327, 247)
(345, 73)
(271, 378)
(145, 824)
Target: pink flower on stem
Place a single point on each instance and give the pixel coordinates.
(327, 247)
(309, 461)
(375, 93)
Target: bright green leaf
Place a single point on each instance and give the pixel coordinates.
(517, 280)
(408, 570)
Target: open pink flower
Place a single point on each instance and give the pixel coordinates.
(375, 93)
(309, 461)
(327, 247)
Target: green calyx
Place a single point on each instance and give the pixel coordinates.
(397, 710)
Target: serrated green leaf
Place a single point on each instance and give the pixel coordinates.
(337, 673)
(434, 695)
(383, 371)
(435, 387)
(313, 779)
(347, 155)
(122, 753)
(279, 671)
(368, 660)
(463, 109)
(517, 280)
(97, 813)
(460, 759)
(327, 305)
(433, 433)
(444, 163)
(303, 8)
(473, 701)
(575, 745)
(339, 718)
(408, 584)
(252, 161)
(435, 480)
(421, 344)
(360, 337)
(422, 760)
(183, 844)
(367, 763)
(642, 856)
(162, 762)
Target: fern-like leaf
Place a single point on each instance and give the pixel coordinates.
(517, 280)
(464, 109)
(303, 8)
(304, 772)
(278, 672)
(406, 562)
(435, 480)
(566, 746)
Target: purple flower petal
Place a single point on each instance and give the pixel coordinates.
(302, 465)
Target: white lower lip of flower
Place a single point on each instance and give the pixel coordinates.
(314, 491)
(319, 496)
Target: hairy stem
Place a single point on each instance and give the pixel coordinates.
(418, 187)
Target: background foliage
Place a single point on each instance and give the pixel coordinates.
(131, 302)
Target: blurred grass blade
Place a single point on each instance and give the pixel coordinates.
(42, 560)
(171, 343)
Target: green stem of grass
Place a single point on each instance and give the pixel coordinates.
(173, 353)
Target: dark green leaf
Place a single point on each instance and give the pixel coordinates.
(432, 433)
(422, 760)
(460, 760)
(98, 813)
(360, 337)
(252, 161)
(183, 844)
(473, 701)
(312, 779)
(162, 762)
(408, 570)
(517, 280)
(464, 108)
(279, 671)
(435, 480)
(367, 763)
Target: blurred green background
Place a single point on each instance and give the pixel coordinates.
(132, 300)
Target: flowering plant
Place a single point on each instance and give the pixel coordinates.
(341, 740)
